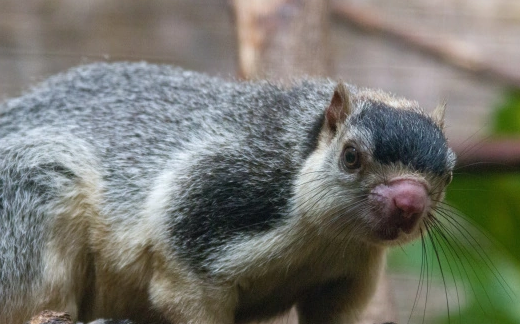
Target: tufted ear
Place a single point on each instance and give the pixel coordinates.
(438, 114)
(339, 108)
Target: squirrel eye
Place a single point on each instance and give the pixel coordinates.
(351, 158)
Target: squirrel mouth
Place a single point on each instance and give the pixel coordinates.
(399, 206)
(388, 234)
(392, 232)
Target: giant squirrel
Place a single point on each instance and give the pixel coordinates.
(131, 191)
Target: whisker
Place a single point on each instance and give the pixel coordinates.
(480, 250)
(421, 273)
(433, 239)
(453, 253)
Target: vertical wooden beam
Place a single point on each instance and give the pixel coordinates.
(282, 39)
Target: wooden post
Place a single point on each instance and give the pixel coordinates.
(282, 39)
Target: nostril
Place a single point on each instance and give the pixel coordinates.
(410, 204)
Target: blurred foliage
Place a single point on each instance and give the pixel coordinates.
(479, 265)
(507, 116)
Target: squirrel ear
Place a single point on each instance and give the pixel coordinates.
(438, 114)
(339, 107)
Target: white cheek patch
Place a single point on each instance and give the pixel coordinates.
(326, 195)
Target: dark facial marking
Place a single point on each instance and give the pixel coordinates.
(405, 136)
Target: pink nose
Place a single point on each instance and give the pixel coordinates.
(409, 197)
(401, 203)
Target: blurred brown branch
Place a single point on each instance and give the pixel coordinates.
(445, 50)
(496, 155)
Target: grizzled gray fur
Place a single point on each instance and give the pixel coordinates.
(148, 193)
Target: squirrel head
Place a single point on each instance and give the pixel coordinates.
(384, 162)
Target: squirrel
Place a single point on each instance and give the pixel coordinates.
(152, 194)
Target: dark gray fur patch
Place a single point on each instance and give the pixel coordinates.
(314, 134)
(237, 195)
(405, 136)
